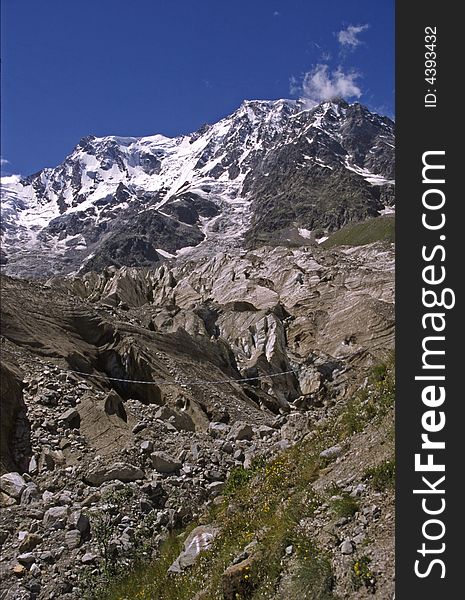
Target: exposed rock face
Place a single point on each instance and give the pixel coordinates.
(272, 172)
(143, 389)
(11, 407)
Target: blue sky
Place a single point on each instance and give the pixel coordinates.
(138, 67)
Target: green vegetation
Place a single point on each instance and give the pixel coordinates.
(343, 505)
(105, 526)
(358, 234)
(362, 575)
(260, 516)
(240, 476)
(374, 402)
(383, 476)
(312, 577)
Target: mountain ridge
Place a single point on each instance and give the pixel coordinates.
(271, 172)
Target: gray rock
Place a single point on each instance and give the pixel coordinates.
(13, 485)
(309, 381)
(33, 585)
(163, 463)
(35, 513)
(30, 493)
(88, 558)
(92, 498)
(56, 517)
(215, 475)
(77, 520)
(35, 570)
(264, 431)
(333, 452)
(359, 490)
(73, 539)
(241, 431)
(140, 426)
(146, 446)
(71, 418)
(199, 540)
(47, 497)
(218, 429)
(122, 471)
(29, 542)
(238, 455)
(347, 547)
(215, 488)
(26, 559)
(32, 468)
(48, 557)
(179, 420)
(113, 405)
(4, 534)
(228, 448)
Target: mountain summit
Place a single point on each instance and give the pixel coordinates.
(270, 173)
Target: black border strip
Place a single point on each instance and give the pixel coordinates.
(424, 128)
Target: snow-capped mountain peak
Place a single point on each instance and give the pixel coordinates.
(137, 200)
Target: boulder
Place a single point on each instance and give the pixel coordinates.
(180, 420)
(71, 418)
(146, 446)
(199, 540)
(56, 517)
(240, 431)
(347, 547)
(218, 429)
(122, 471)
(113, 405)
(77, 520)
(13, 485)
(27, 559)
(163, 463)
(88, 558)
(331, 453)
(309, 381)
(30, 542)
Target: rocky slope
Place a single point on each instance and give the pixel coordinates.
(270, 173)
(139, 390)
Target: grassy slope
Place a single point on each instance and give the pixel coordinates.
(366, 232)
(265, 505)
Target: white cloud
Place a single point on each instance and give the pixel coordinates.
(295, 86)
(276, 13)
(348, 38)
(320, 84)
(4, 162)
